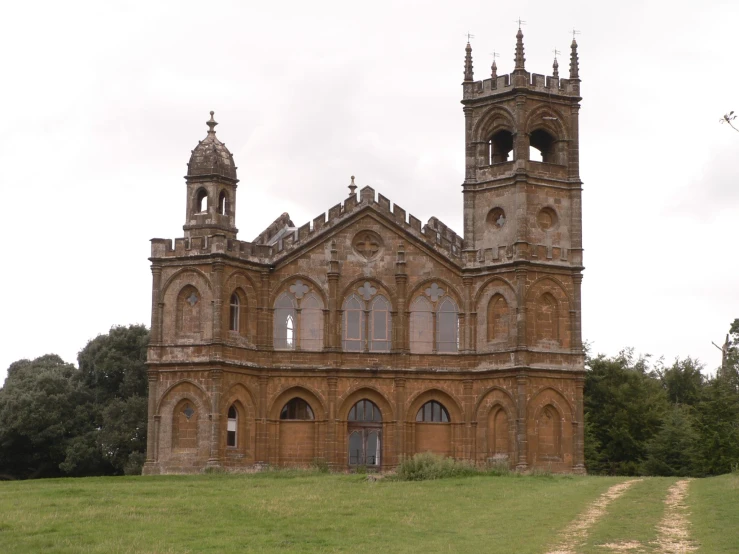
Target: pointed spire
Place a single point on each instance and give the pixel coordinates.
(494, 70)
(519, 59)
(555, 68)
(468, 63)
(574, 63)
(211, 123)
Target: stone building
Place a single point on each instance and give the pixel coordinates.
(364, 336)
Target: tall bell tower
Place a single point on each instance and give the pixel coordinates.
(522, 180)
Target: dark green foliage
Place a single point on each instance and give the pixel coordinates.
(624, 405)
(58, 420)
(673, 451)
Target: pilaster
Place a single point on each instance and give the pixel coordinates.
(521, 427)
(216, 378)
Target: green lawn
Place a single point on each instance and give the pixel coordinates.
(299, 512)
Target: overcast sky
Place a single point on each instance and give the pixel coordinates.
(103, 101)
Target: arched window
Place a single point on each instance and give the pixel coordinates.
(421, 327)
(232, 427)
(223, 203)
(234, 313)
(447, 326)
(189, 303)
(185, 425)
(201, 201)
(380, 325)
(297, 408)
(497, 318)
(354, 333)
(541, 147)
(432, 412)
(549, 434)
(500, 145)
(365, 410)
(284, 322)
(311, 323)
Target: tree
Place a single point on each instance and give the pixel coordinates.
(44, 410)
(624, 405)
(683, 381)
(672, 451)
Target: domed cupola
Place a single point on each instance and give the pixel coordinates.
(211, 157)
(211, 188)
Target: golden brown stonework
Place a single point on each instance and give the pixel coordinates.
(364, 336)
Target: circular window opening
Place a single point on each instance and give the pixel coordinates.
(546, 219)
(496, 218)
(367, 244)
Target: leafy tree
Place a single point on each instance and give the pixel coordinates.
(683, 381)
(43, 413)
(672, 451)
(624, 404)
(113, 367)
(57, 420)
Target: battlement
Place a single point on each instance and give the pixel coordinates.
(266, 250)
(504, 84)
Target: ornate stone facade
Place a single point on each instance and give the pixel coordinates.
(363, 336)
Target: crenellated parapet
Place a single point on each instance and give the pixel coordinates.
(281, 238)
(503, 84)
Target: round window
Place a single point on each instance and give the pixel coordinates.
(546, 219)
(496, 218)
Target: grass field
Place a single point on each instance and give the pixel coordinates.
(302, 512)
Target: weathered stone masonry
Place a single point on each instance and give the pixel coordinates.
(364, 336)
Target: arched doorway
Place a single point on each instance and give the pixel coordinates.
(364, 429)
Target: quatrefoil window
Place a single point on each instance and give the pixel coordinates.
(367, 244)
(434, 292)
(367, 291)
(192, 299)
(299, 289)
(188, 411)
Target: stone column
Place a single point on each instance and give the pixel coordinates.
(521, 307)
(468, 309)
(264, 333)
(331, 424)
(400, 320)
(469, 406)
(579, 427)
(576, 318)
(470, 176)
(262, 446)
(151, 459)
(332, 340)
(521, 427)
(400, 446)
(216, 378)
(156, 321)
(218, 300)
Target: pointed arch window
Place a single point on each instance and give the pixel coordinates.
(447, 326)
(234, 313)
(189, 305)
(433, 412)
(284, 322)
(223, 203)
(354, 325)
(201, 201)
(421, 327)
(380, 325)
(232, 427)
(547, 318)
(297, 408)
(311, 323)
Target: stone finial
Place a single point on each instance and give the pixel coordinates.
(211, 123)
(519, 59)
(574, 63)
(555, 68)
(494, 70)
(352, 187)
(468, 63)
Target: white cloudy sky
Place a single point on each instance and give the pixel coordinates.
(103, 101)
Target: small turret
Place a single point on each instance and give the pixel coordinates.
(555, 68)
(468, 77)
(519, 59)
(574, 63)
